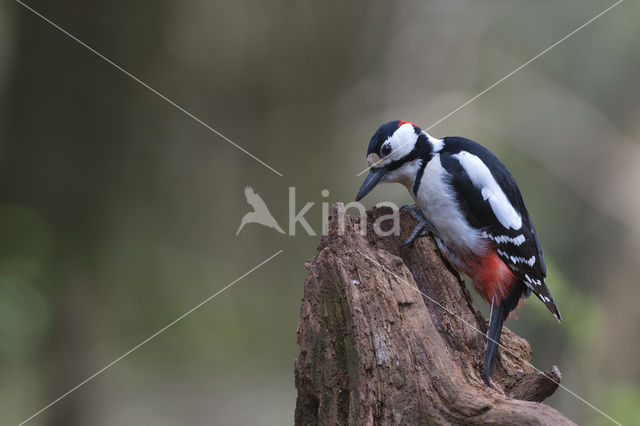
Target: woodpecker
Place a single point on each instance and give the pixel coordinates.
(471, 204)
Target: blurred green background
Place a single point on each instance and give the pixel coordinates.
(118, 213)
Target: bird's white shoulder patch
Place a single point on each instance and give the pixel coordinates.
(482, 179)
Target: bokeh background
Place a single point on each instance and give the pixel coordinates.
(118, 212)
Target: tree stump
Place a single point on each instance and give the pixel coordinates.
(374, 350)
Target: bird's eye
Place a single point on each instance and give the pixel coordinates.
(385, 150)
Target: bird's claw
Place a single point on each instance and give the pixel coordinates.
(413, 211)
(418, 231)
(422, 228)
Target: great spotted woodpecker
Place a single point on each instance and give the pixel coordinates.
(472, 205)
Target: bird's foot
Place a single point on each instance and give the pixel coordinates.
(422, 228)
(414, 211)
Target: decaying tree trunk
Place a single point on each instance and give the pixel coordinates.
(374, 350)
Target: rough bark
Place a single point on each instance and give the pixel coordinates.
(374, 350)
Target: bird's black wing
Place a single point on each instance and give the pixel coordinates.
(519, 247)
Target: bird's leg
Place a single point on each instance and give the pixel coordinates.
(422, 228)
(414, 211)
(419, 228)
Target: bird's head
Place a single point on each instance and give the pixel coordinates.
(395, 154)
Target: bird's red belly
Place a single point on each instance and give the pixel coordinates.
(491, 276)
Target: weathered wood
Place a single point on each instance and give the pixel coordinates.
(373, 350)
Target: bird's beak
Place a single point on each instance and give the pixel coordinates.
(374, 176)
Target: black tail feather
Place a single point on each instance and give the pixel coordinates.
(499, 314)
(493, 339)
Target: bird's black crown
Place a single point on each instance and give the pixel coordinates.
(384, 132)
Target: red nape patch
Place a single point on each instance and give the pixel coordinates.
(492, 278)
(401, 122)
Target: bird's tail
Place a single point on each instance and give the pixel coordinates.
(499, 313)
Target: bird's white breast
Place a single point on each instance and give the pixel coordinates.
(437, 200)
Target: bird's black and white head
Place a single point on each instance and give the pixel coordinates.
(397, 153)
